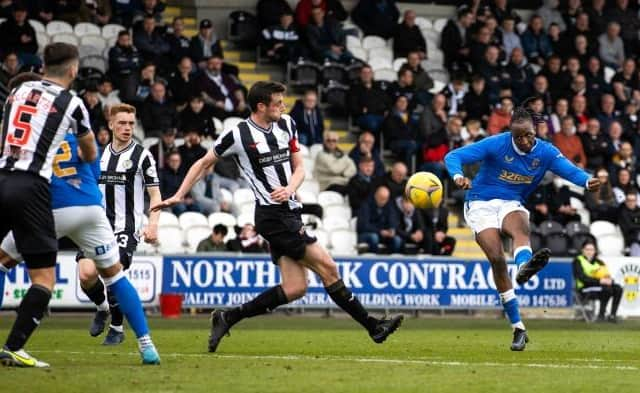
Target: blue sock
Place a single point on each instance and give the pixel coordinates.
(522, 254)
(3, 273)
(511, 308)
(129, 302)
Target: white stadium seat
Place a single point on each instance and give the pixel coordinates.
(111, 30)
(311, 219)
(217, 124)
(194, 235)
(37, 26)
(315, 149)
(221, 218)
(85, 29)
(337, 211)
(246, 208)
(227, 196)
(328, 198)
(423, 23)
(310, 185)
(231, 122)
(602, 228)
(306, 196)
(378, 63)
(343, 242)
(321, 235)
(332, 223)
(308, 163)
(381, 53)
(398, 63)
(170, 239)
(611, 245)
(242, 196)
(94, 40)
(169, 219)
(191, 219)
(96, 62)
(439, 24)
(373, 41)
(246, 218)
(359, 53)
(43, 39)
(87, 50)
(385, 74)
(150, 141)
(111, 42)
(304, 150)
(57, 27)
(67, 38)
(352, 42)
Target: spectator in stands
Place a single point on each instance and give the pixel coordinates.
(582, 49)
(500, 118)
(579, 110)
(280, 41)
(145, 80)
(455, 39)
(361, 186)
(629, 221)
(103, 138)
(205, 44)
(333, 10)
(569, 143)
(454, 92)
(480, 41)
(555, 38)
(436, 221)
(269, 12)
(472, 132)
(608, 114)
(410, 227)
(628, 22)
(124, 66)
(149, 41)
(631, 123)
(422, 82)
(549, 14)
(158, 111)
(540, 203)
(407, 37)
(368, 104)
(597, 17)
(541, 90)
(182, 82)
(366, 147)
(561, 110)
(521, 75)
(178, 42)
(377, 222)
(581, 27)
(333, 168)
(220, 89)
(535, 41)
(433, 118)
(596, 85)
(248, 241)
(215, 242)
(99, 11)
(94, 107)
(403, 87)
(165, 145)
(395, 180)
(591, 274)
(399, 131)
(494, 74)
(624, 158)
(559, 80)
(501, 9)
(434, 147)
(171, 178)
(510, 38)
(107, 96)
(326, 38)
(208, 195)
(309, 119)
(624, 185)
(611, 46)
(10, 67)
(626, 83)
(198, 116)
(596, 146)
(376, 17)
(19, 36)
(149, 8)
(6, 9)
(123, 11)
(476, 102)
(192, 150)
(571, 11)
(602, 204)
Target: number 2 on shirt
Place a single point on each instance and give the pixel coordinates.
(22, 127)
(64, 155)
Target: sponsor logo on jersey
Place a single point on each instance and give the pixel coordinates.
(515, 178)
(508, 159)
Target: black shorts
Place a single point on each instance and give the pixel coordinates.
(127, 243)
(25, 209)
(284, 231)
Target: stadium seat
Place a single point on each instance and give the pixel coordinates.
(231, 122)
(242, 196)
(246, 218)
(37, 26)
(58, 27)
(194, 235)
(381, 53)
(353, 70)
(87, 50)
(432, 37)
(67, 38)
(385, 74)
(373, 41)
(306, 196)
(246, 208)
(43, 39)
(321, 235)
(94, 40)
(111, 30)
(378, 63)
(146, 248)
(168, 219)
(191, 219)
(337, 211)
(602, 228)
(353, 224)
(111, 42)
(330, 198)
(423, 23)
(398, 63)
(303, 74)
(311, 220)
(309, 163)
(577, 233)
(94, 62)
(170, 239)
(585, 215)
(343, 242)
(554, 237)
(608, 74)
(310, 185)
(335, 95)
(304, 150)
(315, 149)
(223, 218)
(218, 125)
(332, 223)
(611, 245)
(83, 29)
(227, 196)
(334, 72)
(439, 24)
(360, 53)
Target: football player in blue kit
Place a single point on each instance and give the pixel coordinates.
(513, 164)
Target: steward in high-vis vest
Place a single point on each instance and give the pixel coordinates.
(592, 276)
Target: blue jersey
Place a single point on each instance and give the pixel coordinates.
(74, 182)
(508, 173)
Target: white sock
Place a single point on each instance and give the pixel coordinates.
(118, 329)
(518, 325)
(104, 306)
(144, 342)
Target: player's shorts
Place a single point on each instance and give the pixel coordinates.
(284, 231)
(481, 215)
(87, 227)
(25, 209)
(127, 244)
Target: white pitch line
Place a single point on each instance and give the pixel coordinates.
(421, 362)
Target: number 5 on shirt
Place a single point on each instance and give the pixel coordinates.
(22, 127)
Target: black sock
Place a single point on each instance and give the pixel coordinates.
(266, 302)
(96, 293)
(343, 297)
(114, 309)
(30, 313)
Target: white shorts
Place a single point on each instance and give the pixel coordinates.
(481, 215)
(89, 229)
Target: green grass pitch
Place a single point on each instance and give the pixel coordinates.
(312, 354)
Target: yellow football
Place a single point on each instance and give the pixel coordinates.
(424, 190)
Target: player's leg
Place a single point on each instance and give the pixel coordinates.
(516, 224)
(490, 242)
(94, 288)
(294, 286)
(127, 245)
(319, 261)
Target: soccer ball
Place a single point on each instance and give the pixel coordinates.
(424, 190)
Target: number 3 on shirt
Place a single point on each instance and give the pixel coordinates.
(64, 155)
(22, 127)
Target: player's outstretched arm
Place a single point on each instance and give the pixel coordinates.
(566, 169)
(196, 172)
(469, 154)
(282, 194)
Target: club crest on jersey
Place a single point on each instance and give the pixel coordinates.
(127, 164)
(534, 164)
(508, 159)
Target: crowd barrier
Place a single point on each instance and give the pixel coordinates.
(380, 282)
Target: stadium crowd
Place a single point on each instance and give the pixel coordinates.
(574, 63)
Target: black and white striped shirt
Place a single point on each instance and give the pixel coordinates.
(263, 155)
(37, 116)
(123, 178)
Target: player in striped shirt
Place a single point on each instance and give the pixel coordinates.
(265, 147)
